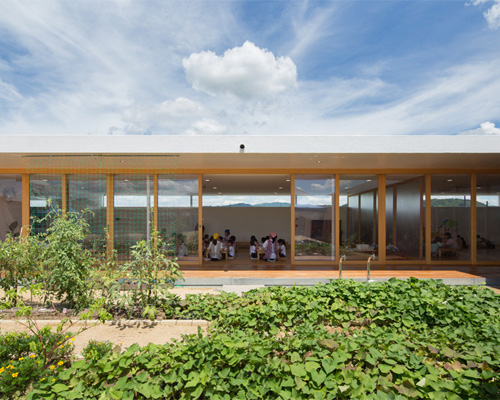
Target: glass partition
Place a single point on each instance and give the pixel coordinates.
(11, 215)
(358, 216)
(45, 196)
(405, 217)
(178, 214)
(87, 194)
(450, 221)
(133, 211)
(488, 217)
(314, 217)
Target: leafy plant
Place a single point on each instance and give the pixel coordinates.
(68, 263)
(19, 262)
(96, 350)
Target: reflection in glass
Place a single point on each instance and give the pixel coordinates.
(314, 217)
(404, 217)
(488, 217)
(45, 196)
(10, 205)
(358, 216)
(178, 214)
(88, 193)
(133, 211)
(450, 221)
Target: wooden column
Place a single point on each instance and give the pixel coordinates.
(473, 218)
(110, 220)
(381, 219)
(64, 197)
(292, 218)
(428, 219)
(155, 202)
(200, 219)
(336, 215)
(25, 205)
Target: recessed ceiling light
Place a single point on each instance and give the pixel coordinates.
(275, 192)
(215, 187)
(288, 180)
(45, 180)
(220, 192)
(281, 187)
(207, 180)
(368, 180)
(450, 180)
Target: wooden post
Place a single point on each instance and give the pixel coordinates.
(428, 219)
(292, 218)
(473, 218)
(336, 215)
(110, 205)
(25, 205)
(381, 220)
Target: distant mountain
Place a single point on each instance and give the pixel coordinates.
(272, 204)
(453, 203)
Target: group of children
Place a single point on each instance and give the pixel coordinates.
(215, 245)
(272, 246)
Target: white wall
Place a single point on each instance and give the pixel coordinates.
(247, 221)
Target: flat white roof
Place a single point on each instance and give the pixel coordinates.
(261, 152)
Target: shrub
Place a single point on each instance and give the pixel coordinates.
(68, 262)
(96, 350)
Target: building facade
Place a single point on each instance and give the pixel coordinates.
(420, 200)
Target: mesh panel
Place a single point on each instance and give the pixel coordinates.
(81, 184)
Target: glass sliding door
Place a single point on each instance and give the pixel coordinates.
(314, 217)
(45, 196)
(488, 217)
(11, 215)
(358, 216)
(450, 221)
(405, 217)
(87, 195)
(178, 214)
(133, 211)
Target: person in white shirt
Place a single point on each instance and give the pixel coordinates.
(214, 250)
(282, 248)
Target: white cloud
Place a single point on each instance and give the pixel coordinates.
(206, 126)
(486, 128)
(492, 15)
(246, 72)
(170, 115)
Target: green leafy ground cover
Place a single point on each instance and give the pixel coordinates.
(343, 340)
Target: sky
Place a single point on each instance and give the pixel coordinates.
(250, 67)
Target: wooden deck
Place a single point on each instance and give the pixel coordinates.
(283, 269)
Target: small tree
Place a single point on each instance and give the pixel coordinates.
(19, 262)
(152, 270)
(64, 255)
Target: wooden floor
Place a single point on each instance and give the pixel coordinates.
(283, 269)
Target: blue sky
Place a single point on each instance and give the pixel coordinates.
(250, 67)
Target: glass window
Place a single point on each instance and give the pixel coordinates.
(178, 214)
(45, 196)
(450, 221)
(488, 217)
(133, 211)
(314, 217)
(10, 205)
(88, 193)
(358, 216)
(405, 217)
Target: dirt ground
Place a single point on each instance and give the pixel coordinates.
(126, 333)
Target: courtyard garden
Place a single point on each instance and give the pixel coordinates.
(412, 339)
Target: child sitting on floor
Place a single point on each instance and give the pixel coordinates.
(230, 250)
(281, 248)
(254, 244)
